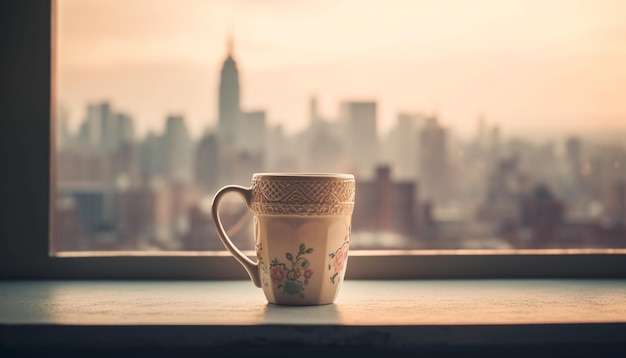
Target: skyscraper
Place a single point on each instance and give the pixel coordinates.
(178, 149)
(206, 163)
(93, 130)
(433, 161)
(360, 119)
(403, 148)
(251, 132)
(228, 108)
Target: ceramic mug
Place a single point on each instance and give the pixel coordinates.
(301, 232)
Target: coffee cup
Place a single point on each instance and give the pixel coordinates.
(302, 228)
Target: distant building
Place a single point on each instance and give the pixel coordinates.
(182, 196)
(573, 151)
(321, 145)
(386, 205)
(404, 145)
(245, 164)
(201, 234)
(84, 165)
(124, 165)
(251, 134)
(242, 136)
(104, 129)
(68, 234)
(616, 205)
(361, 135)
(152, 157)
(543, 213)
(434, 161)
(103, 150)
(178, 150)
(325, 150)
(229, 98)
(503, 193)
(206, 163)
(281, 156)
(143, 214)
(124, 130)
(91, 131)
(94, 204)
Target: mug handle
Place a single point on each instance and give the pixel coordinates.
(251, 267)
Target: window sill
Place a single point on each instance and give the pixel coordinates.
(443, 316)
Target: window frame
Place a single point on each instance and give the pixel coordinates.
(26, 143)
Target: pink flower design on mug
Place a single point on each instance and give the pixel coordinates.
(278, 274)
(308, 274)
(340, 258)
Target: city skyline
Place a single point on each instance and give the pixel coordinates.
(418, 188)
(116, 191)
(584, 51)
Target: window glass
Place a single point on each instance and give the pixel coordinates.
(468, 124)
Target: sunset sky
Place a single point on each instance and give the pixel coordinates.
(528, 65)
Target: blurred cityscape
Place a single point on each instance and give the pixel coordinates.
(419, 187)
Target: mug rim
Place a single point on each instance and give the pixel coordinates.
(303, 176)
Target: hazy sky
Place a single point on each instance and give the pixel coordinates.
(557, 65)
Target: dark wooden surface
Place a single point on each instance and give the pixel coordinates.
(436, 317)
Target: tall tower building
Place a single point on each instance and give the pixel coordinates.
(360, 120)
(206, 163)
(251, 133)
(433, 161)
(403, 142)
(93, 131)
(178, 149)
(229, 103)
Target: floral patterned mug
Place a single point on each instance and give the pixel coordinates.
(301, 232)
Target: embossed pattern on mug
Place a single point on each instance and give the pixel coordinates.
(302, 197)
